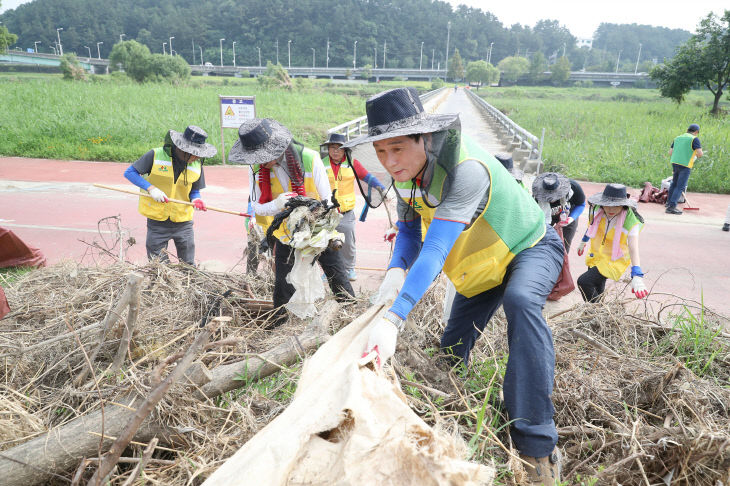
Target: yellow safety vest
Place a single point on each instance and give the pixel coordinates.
(602, 248)
(161, 176)
(344, 183)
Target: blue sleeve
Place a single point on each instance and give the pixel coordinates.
(135, 178)
(440, 239)
(371, 180)
(407, 244)
(249, 208)
(194, 194)
(696, 143)
(576, 211)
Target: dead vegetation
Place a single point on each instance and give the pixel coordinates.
(630, 406)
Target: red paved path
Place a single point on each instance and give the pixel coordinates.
(51, 205)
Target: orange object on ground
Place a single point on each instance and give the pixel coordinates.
(15, 253)
(4, 306)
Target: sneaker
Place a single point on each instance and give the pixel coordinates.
(673, 210)
(545, 471)
(726, 227)
(351, 275)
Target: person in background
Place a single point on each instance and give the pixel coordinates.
(613, 233)
(341, 173)
(685, 149)
(173, 171)
(562, 200)
(281, 168)
(508, 162)
(490, 238)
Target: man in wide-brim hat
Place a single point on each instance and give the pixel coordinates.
(489, 237)
(281, 168)
(562, 200)
(614, 227)
(343, 173)
(173, 171)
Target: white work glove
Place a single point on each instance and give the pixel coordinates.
(388, 290)
(565, 222)
(581, 247)
(157, 194)
(281, 199)
(382, 338)
(638, 287)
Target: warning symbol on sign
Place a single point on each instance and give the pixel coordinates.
(229, 112)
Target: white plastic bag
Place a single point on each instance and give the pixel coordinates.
(308, 287)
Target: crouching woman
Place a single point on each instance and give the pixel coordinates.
(613, 232)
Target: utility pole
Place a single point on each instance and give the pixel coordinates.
(60, 47)
(448, 34)
(637, 59)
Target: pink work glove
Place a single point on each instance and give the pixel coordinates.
(199, 204)
(638, 288)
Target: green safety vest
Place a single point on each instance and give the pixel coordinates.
(682, 153)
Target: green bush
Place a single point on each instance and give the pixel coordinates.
(437, 83)
(71, 68)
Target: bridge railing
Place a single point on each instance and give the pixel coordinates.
(359, 126)
(526, 140)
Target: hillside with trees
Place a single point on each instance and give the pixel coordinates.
(197, 27)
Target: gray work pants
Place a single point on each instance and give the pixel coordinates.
(347, 227)
(160, 232)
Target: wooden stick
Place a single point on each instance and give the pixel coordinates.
(128, 329)
(179, 201)
(146, 455)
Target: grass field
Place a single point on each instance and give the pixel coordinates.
(116, 120)
(619, 135)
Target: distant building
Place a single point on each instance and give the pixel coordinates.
(585, 43)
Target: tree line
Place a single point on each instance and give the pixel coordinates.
(339, 33)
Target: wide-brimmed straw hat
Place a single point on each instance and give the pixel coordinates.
(612, 195)
(508, 162)
(260, 140)
(550, 187)
(398, 112)
(192, 141)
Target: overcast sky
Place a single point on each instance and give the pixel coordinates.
(581, 17)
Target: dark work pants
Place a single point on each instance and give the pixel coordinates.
(592, 284)
(528, 381)
(159, 233)
(680, 177)
(332, 264)
(569, 233)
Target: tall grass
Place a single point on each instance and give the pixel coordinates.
(114, 119)
(619, 135)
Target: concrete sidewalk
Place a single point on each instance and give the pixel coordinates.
(52, 205)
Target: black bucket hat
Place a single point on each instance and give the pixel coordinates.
(192, 141)
(335, 138)
(398, 112)
(260, 140)
(550, 187)
(508, 162)
(613, 195)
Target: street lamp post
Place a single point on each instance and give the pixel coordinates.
(35, 46)
(98, 49)
(420, 63)
(171, 44)
(60, 47)
(221, 42)
(637, 59)
(121, 37)
(277, 51)
(448, 34)
(327, 62)
(54, 50)
(563, 50)
(234, 53)
(354, 57)
(617, 60)
(489, 58)
(88, 49)
(313, 53)
(385, 46)
(201, 54)
(288, 48)
(376, 58)
(164, 51)
(259, 56)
